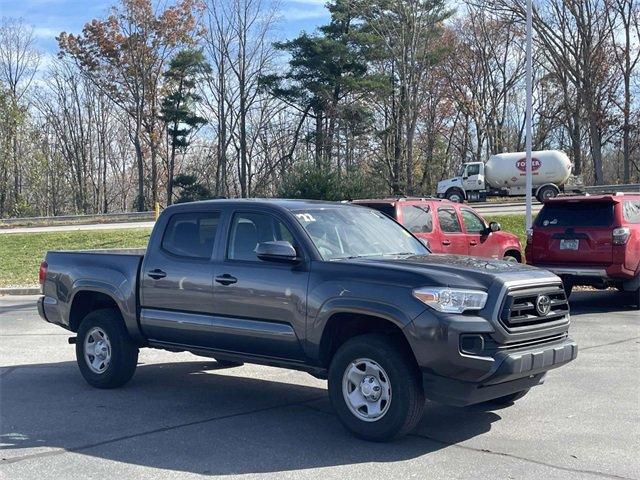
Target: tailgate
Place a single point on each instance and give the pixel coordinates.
(574, 233)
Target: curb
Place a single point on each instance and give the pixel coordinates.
(20, 291)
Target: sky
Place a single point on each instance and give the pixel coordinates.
(50, 17)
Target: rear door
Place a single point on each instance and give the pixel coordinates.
(452, 238)
(574, 232)
(418, 219)
(176, 281)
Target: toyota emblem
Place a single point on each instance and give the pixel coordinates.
(543, 305)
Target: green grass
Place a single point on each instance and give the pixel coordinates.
(511, 224)
(21, 253)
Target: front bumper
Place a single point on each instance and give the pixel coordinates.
(513, 371)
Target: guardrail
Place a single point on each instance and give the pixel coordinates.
(78, 219)
(604, 189)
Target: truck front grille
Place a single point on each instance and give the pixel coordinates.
(524, 308)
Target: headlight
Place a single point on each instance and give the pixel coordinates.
(451, 300)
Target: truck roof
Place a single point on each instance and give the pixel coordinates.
(288, 204)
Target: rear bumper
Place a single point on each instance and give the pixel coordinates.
(48, 309)
(589, 275)
(512, 372)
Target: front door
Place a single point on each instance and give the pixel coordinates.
(260, 305)
(481, 243)
(176, 294)
(473, 178)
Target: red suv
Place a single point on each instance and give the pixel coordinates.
(450, 227)
(593, 240)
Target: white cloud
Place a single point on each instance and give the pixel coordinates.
(46, 32)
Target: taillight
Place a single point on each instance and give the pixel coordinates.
(621, 235)
(42, 273)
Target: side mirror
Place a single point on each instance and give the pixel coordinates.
(279, 251)
(494, 227)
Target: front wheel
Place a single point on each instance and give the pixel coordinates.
(454, 195)
(375, 388)
(106, 355)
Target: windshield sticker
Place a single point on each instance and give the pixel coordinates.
(305, 217)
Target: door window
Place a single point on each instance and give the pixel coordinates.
(473, 170)
(417, 218)
(472, 223)
(249, 229)
(632, 211)
(191, 234)
(448, 220)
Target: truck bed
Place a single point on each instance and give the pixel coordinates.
(113, 272)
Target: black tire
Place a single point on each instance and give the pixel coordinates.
(406, 403)
(636, 298)
(506, 400)
(567, 285)
(546, 192)
(228, 363)
(454, 195)
(509, 257)
(123, 352)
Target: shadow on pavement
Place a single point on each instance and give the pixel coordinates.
(600, 301)
(195, 417)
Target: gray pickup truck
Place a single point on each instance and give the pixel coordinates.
(340, 291)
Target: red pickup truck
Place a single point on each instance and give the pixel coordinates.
(592, 240)
(449, 227)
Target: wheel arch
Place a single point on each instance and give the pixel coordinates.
(86, 301)
(89, 296)
(342, 325)
(456, 188)
(513, 252)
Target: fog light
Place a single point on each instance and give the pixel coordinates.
(471, 344)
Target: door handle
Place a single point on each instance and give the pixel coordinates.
(446, 242)
(473, 243)
(156, 274)
(226, 279)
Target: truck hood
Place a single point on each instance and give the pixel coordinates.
(443, 185)
(459, 270)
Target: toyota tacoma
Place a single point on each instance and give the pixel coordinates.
(340, 291)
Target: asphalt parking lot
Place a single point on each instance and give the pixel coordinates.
(183, 417)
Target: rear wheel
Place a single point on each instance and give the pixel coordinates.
(375, 388)
(106, 355)
(546, 192)
(454, 195)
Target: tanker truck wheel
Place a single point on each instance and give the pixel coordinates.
(454, 195)
(546, 193)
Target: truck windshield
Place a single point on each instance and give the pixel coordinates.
(352, 232)
(585, 214)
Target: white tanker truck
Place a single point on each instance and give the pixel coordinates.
(504, 175)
